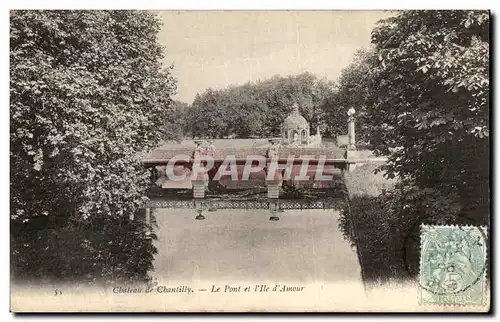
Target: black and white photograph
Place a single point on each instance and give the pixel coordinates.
(249, 160)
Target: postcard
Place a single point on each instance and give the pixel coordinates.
(250, 161)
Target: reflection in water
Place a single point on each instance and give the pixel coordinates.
(235, 245)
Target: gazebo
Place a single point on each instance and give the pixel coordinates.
(295, 129)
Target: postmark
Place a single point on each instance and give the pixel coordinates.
(453, 265)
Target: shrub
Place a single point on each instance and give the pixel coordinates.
(104, 250)
(388, 228)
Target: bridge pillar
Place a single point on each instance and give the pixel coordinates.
(204, 148)
(273, 194)
(273, 184)
(198, 205)
(199, 197)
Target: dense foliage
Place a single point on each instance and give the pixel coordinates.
(354, 86)
(423, 94)
(424, 97)
(177, 125)
(88, 95)
(258, 109)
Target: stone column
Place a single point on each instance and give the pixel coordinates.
(351, 147)
(350, 129)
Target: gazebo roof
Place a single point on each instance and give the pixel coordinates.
(295, 120)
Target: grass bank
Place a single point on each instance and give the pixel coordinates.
(380, 238)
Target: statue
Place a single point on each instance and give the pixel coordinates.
(273, 150)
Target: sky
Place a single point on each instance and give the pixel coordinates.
(220, 48)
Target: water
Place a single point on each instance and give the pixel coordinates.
(234, 245)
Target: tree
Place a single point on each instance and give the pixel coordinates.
(423, 93)
(353, 90)
(422, 96)
(177, 124)
(258, 109)
(88, 96)
(430, 112)
(211, 117)
(249, 112)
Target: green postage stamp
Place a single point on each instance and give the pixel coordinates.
(452, 265)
